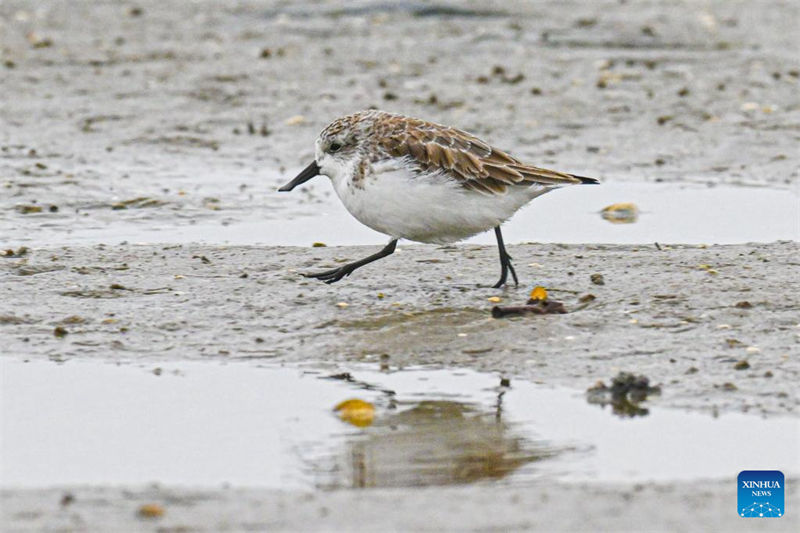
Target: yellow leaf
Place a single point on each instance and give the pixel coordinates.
(539, 293)
(151, 510)
(495, 299)
(356, 412)
(621, 213)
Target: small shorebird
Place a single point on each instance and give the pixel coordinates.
(416, 180)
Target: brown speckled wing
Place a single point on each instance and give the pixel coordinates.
(464, 157)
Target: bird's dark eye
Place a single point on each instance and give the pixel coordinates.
(334, 147)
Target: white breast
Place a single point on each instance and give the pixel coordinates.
(395, 200)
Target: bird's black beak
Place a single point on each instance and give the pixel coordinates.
(309, 172)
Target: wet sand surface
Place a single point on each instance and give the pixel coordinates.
(553, 507)
(683, 315)
(205, 109)
(714, 327)
(172, 124)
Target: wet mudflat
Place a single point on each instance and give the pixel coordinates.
(688, 317)
(172, 124)
(714, 327)
(206, 110)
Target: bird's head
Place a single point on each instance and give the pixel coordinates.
(339, 149)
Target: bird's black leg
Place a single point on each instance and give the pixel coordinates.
(505, 261)
(334, 275)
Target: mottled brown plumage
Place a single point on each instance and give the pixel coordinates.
(458, 154)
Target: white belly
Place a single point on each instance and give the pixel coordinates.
(428, 208)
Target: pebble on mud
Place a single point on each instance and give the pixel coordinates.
(741, 365)
(37, 41)
(21, 251)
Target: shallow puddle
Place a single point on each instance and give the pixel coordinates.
(203, 424)
(667, 213)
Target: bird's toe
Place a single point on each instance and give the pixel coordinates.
(321, 275)
(328, 276)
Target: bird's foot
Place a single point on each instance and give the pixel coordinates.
(507, 267)
(333, 275)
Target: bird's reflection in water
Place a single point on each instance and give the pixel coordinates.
(434, 442)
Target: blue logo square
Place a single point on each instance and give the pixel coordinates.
(760, 493)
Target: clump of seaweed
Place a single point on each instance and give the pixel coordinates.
(626, 392)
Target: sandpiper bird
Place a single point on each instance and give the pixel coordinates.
(421, 181)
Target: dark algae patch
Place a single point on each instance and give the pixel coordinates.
(626, 393)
